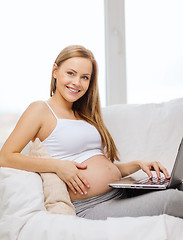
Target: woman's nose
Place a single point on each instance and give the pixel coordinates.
(77, 81)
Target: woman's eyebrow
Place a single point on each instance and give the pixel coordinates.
(86, 74)
(76, 72)
(72, 70)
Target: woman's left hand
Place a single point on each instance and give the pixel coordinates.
(153, 166)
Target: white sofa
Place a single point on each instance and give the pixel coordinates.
(149, 132)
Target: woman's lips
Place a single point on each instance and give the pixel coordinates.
(73, 90)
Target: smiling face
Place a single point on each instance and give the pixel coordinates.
(72, 78)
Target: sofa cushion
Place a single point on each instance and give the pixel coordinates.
(146, 131)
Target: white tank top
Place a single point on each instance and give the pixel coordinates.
(73, 140)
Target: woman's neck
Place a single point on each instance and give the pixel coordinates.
(67, 106)
(65, 109)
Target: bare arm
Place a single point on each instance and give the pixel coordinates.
(128, 168)
(26, 130)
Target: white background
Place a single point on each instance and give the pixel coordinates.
(33, 32)
(154, 50)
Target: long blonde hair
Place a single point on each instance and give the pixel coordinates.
(88, 106)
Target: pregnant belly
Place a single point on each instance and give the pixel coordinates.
(99, 173)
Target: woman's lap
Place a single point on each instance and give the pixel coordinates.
(148, 204)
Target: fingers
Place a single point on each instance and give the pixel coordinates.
(70, 173)
(147, 170)
(163, 170)
(71, 187)
(157, 167)
(78, 186)
(80, 165)
(86, 183)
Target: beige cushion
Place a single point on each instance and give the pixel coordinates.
(56, 196)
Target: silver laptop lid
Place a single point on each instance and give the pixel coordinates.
(177, 171)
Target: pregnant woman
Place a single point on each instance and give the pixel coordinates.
(70, 126)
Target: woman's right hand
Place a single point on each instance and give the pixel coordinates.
(69, 172)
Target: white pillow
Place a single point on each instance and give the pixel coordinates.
(21, 192)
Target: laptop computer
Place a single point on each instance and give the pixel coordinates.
(155, 183)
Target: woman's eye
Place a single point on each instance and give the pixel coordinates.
(70, 73)
(85, 77)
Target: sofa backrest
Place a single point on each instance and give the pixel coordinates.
(146, 131)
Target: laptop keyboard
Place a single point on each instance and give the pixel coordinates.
(153, 181)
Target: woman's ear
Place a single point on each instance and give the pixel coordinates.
(54, 70)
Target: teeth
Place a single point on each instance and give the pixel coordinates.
(73, 90)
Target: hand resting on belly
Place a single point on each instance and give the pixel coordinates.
(99, 172)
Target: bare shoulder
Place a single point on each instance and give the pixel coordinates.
(33, 114)
(36, 110)
(33, 117)
(27, 127)
(37, 106)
